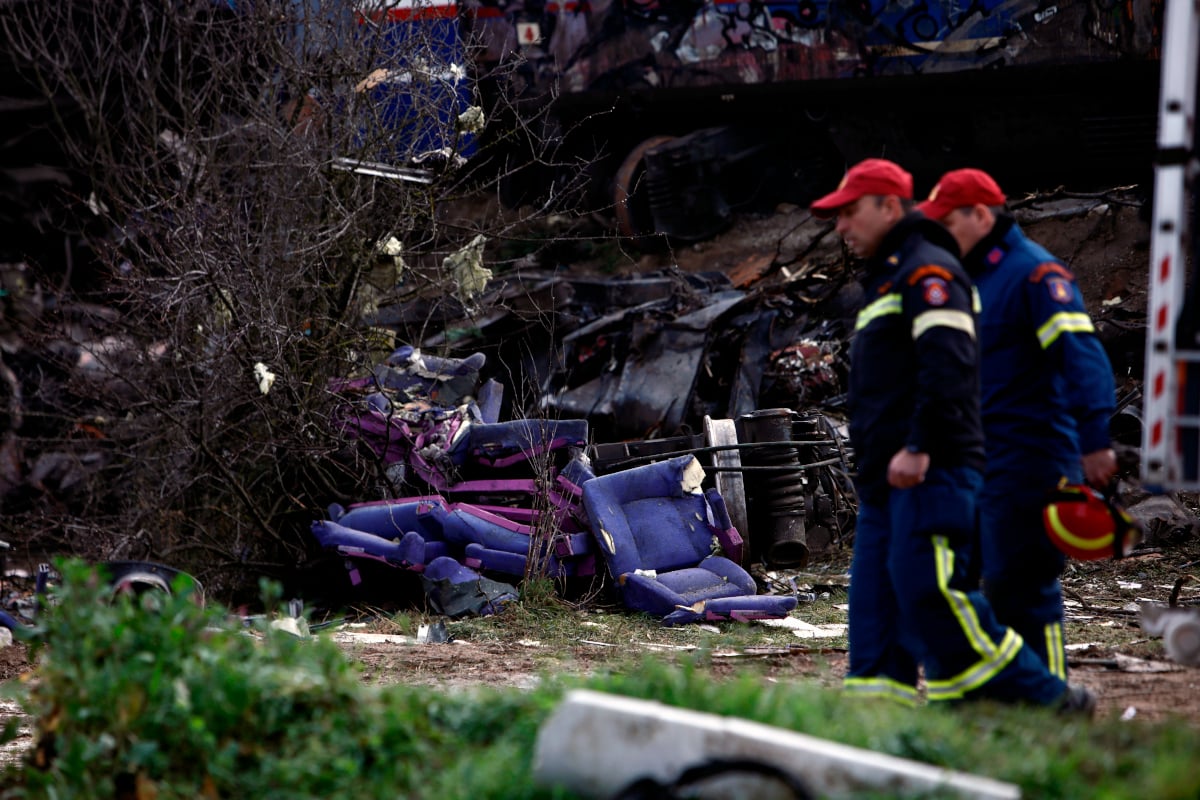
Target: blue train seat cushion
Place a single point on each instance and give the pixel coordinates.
(391, 518)
(503, 540)
(407, 551)
(659, 534)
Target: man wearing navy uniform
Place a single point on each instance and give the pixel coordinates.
(918, 445)
(1048, 394)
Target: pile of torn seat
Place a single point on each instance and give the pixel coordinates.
(517, 498)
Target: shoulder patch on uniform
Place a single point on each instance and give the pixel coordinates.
(994, 255)
(1050, 268)
(935, 291)
(926, 271)
(1059, 288)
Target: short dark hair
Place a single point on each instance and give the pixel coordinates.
(996, 210)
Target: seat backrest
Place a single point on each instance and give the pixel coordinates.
(467, 523)
(398, 551)
(651, 517)
(394, 518)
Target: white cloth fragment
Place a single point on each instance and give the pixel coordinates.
(392, 248)
(264, 377)
(693, 477)
(471, 120)
(466, 266)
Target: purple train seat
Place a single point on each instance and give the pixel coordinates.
(432, 440)
(656, 531)
(500, 539)
(445, 381)
(456, 590)
(560, 496)
(488, 400)
(567, 490)
(394, 518)
(408, 551)
(503, 444)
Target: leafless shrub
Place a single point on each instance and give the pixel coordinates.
(236, 159)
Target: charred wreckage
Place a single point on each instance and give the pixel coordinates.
(699, 407)
(677, 437)
(716, 393)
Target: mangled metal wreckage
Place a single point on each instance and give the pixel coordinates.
(664, 518)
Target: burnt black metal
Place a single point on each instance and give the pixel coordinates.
(694, 182)
(614, 456)
(622, 462)
(774, 99)
(825, 514)
(777, 504)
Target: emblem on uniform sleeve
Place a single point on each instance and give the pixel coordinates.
(936, 291)
(1060, 289)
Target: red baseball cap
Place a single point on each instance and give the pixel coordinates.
(959, 188)
(872, 176)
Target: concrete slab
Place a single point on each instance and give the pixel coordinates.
(596, 744)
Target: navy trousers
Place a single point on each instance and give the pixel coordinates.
(1020, 565)
(911, 602)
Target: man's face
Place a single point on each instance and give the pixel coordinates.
(968, 225)
(863, 223)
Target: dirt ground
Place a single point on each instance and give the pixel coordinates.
(1100, 236)
(1108, 651)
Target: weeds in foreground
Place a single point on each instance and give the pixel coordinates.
(154, 696)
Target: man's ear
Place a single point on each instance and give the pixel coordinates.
(894, 206)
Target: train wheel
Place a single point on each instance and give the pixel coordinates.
(630, 203)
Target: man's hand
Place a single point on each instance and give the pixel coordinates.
(1099, 466)
(907, 469)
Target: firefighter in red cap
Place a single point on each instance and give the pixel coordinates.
(918, 445)
(1047, 397)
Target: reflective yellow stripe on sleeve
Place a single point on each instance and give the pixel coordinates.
(993, 657)
(943, 318)
(1064, 322)
(888, 304)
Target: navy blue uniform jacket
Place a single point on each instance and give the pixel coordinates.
(914, 359)
(1048, 388)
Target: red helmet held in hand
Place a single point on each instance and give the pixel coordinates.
(1087, 526)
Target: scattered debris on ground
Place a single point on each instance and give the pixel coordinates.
(749, 323)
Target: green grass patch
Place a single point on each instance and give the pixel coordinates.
(156, 694)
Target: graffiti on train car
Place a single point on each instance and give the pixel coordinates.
(705, 107)
(605, 44)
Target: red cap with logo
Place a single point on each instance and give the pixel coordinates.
(960, 188)
(873, 176)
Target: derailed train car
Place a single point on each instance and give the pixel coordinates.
(687, 110)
